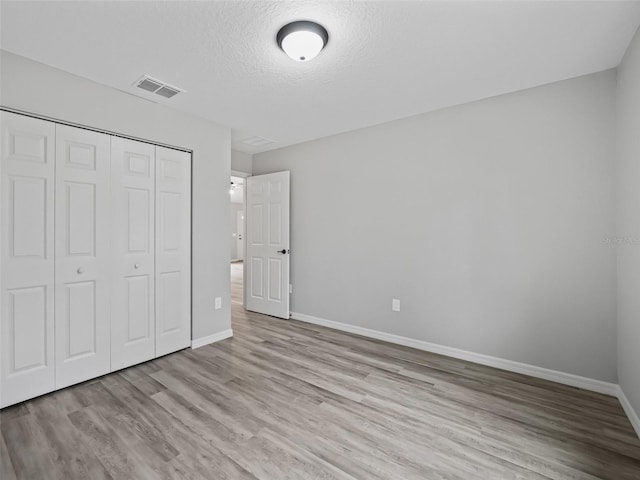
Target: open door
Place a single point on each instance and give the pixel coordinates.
(267, 235)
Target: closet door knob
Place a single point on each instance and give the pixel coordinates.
(80, 270)
(136, 266)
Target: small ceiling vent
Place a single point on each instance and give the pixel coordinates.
(158, 87)
(257, 141)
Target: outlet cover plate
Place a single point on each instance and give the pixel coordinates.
(395, 305)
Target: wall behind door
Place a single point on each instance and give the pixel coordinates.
(487, 220)
(33, 87)
(235, 208)
(628, 225)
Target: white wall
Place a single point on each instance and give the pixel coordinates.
(241, 162)
(628, 222)
(30, 86)
(486, 220)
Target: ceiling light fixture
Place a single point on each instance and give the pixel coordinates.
(302, 40)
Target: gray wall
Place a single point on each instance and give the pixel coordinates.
(628, 223)
(241, 162)
(486, 220)
(37, 88)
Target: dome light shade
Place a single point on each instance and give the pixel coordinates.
(302, 40)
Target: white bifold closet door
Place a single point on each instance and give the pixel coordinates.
(82, 256)
(95, 254)
(133, 246)
(173, 250)
(151, 232)
(27, 170)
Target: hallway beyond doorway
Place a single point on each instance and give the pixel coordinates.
(236, 282)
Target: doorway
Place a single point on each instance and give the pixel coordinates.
(237, 219)
(260, 232)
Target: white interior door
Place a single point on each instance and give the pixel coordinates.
(267, 259)
(240, 236)
(173, 250)
(27, 307)
(82, 256)
(133, 245)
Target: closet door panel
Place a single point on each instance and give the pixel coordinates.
(173, 250)
(27, 259)
(82, 255)
(133, 265)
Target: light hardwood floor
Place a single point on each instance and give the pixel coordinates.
(288, 400)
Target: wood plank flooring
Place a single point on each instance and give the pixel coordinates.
(288, 400)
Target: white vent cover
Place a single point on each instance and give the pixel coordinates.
(257, 141)
(157, 86)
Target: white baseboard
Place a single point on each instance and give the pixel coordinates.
(509, 365)
(628, 409)
(216, 337)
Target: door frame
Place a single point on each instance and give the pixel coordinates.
(245, 175)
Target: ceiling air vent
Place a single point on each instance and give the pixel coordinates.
(257, 141)
(158, 87)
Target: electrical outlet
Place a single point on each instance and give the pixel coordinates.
(395, 305)
(290, 288)
(218, 303)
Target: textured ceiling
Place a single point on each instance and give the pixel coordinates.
(384, 60)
